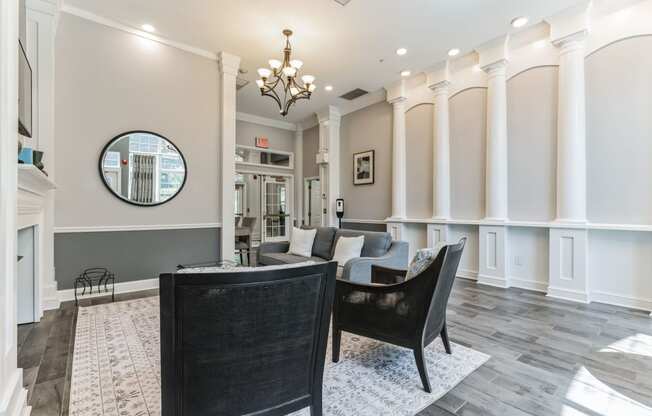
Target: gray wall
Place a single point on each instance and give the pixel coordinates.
(310, 149)
(619, 132)
(367, 129)
(532, 144)
(132, 255)
(109, 82)
(419, 133)
(279, 139)
(468, 126)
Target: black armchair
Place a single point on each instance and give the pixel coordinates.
(409, 314)
(245, 342)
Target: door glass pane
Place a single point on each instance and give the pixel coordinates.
(276, 209)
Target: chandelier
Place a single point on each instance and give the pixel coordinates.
(280, 82)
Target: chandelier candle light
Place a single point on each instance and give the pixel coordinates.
(280, 82)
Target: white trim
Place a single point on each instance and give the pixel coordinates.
(467, 274)
(264, 121)
(264, 150)
(124, 287)
(109, 228)
(42, 6)
(528, 284)
(568, 294)
(357, 221)
(13, 401)
(494, 281)
(621, 300)
(84, 14)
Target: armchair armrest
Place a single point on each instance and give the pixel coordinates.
(274, 247)
(359, 269)
(386, 275)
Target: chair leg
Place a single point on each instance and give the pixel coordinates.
(316, 406)
(241, 258)
(444, 339)
(337, 338)
(423, 371)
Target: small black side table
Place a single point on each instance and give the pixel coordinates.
(98, 277)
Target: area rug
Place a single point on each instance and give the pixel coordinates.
(116, 368)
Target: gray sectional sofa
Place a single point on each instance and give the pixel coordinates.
(378, 248)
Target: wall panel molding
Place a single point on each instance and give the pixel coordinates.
(115, 228)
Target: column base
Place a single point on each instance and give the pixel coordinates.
(493, 259)
(437, 233)
(568, 270)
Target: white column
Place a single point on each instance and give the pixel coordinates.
(12, 394)
(496, 168)
(328, 159)
(399, 163)
(228, 71)
(298, 176)
(571, 131)
(441, 204)
(41, 28)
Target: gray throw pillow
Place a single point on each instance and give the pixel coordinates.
(423, 259)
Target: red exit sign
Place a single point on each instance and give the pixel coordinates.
(262, 142)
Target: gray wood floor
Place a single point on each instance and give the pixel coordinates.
(549, 357)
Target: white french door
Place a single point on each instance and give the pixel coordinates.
(276, 208)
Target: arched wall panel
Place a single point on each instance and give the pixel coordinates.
(532, 144)
(619, 133)
(419, 130)
(468, 128)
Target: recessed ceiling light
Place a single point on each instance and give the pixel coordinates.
(454, 52)
(148, 28)
(519, 21)
(405, 73)
(328, 88)
(401, 51)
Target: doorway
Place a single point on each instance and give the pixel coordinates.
(313, 202)
(263, 203)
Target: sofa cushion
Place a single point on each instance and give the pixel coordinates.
(376, 244)
(270, 259)
(301, 242)
(323, 245)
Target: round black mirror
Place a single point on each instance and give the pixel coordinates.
(143, 168)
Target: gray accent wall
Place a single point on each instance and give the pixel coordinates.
(532, 144)
(132, 255)
(310, 150)
(468, 126)
(108, 82)
(419, 133)
(367, 129)
(364, 226)
(279, 139)
(619, 133)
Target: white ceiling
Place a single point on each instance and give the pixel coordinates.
(340, 45)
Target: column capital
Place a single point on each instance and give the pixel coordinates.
(494, 53)
(228, 64)
(569, 25)
(439, 75)
(396, 92)
(330, 114)
(496, 68)
(440, 87)
(571, 42)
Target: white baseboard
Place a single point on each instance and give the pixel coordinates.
(620, 300)
(494, 281)
(467, 274)
(568, 294)
(13, 400)
(528, 284)
(124, 287)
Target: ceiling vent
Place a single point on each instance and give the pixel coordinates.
(342, 2)
(353, 94)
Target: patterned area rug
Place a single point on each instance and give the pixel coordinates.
(116, 368)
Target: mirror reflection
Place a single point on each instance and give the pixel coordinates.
(143, 168)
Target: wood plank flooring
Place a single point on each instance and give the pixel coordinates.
(549, 357)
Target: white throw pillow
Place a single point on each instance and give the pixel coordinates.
(347, 248)
(423, 259)
(301, 242)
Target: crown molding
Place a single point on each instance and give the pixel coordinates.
(264, 121)
(84, 14)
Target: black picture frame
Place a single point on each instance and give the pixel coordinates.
(127, 200)
(371, 154)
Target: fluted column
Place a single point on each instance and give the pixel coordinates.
(496, 164)
(441, 204)
(571, 131)
(228, 71)
(328, 159)
(399, 163)
(298, 176)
